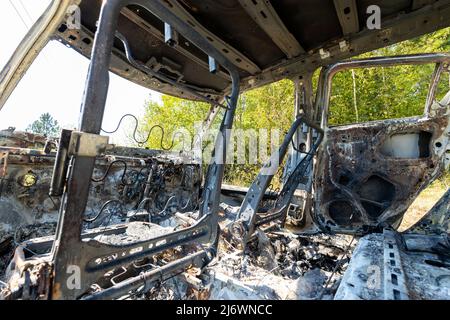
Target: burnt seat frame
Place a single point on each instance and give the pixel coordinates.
(248, 219)
(92, 258)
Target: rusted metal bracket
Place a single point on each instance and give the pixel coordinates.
(303, 137)
(180, 48)
(87, 144)
(394, 277)
(233, 55)
(347, 12)
(3, 168)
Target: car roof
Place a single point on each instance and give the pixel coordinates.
(266, 40)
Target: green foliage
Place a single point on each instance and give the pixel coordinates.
(392, 92)
(380, 94)
(173, 114)
(271, 108)
(45, 125)
(445, 179)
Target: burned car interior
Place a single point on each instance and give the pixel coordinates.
(82, 218)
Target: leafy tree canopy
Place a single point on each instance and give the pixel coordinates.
(45, 125)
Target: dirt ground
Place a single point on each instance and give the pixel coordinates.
(424, 202)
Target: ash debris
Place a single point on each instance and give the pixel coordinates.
(277, 264)
(10, 239)
(282, 265)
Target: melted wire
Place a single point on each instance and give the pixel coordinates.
(163, 212)
(163, 135)
(122, 178)
(104, 206)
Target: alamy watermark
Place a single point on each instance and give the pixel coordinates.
(235, 146)
(73, 17)
(74, 277)
(374, 20)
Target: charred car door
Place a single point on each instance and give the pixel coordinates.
(369, 173)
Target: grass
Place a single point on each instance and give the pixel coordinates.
(425, 201)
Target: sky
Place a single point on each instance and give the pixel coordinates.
(55, 81)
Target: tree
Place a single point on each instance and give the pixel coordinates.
(45, 125)
(358, 96)
(172, 115)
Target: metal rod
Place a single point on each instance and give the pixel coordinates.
(159, 75)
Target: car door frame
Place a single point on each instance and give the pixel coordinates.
(432, 112)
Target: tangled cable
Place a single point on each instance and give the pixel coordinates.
(163, 134)
(122, 178)
(104, 206)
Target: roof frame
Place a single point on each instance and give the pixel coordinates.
(417, 4)
(262, 12)
(141, 22)
(400, 28)
(232, 54)
(347, 12)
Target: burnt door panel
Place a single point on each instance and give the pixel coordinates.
(368, 174)
(361, 185)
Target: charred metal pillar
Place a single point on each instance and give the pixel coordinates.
(247, 218)
(303, 139)
(303, 107)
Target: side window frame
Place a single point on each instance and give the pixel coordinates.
(327, 74)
